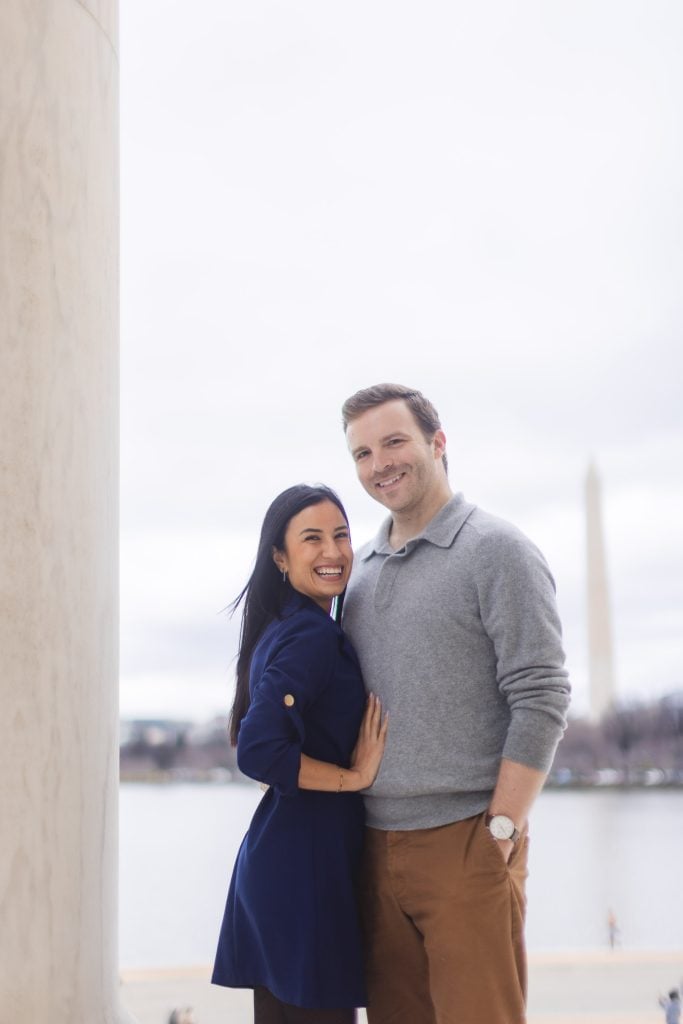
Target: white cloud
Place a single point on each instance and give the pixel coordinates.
(483, 203)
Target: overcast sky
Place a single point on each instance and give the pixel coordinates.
(482, 201)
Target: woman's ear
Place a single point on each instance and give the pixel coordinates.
(280, 560)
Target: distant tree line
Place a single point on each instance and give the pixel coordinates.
(153, 747)
(635, 744)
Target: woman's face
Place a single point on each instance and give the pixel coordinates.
(317, 555)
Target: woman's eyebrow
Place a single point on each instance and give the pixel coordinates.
(316, 529)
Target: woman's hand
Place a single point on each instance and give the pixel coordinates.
(369, 749)
(365, 759)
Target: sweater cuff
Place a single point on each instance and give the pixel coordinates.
(532, 739)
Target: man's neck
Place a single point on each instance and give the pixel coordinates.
(408, 524)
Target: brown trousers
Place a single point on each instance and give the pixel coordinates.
(270, 1010)
(444, 926)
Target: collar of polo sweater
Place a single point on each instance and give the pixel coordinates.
(440, 531)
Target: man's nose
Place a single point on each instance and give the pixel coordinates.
(381, 462)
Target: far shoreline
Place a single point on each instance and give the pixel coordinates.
(223, 777)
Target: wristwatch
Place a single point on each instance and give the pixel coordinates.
(501, 827)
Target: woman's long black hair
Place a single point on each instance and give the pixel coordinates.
(265, 593)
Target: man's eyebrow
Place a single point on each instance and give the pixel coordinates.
(382, 440)
(392, 434)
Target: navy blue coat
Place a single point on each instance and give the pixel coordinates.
(291, 920)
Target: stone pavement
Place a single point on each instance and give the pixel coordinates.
(600, 987)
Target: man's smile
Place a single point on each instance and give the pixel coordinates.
(392, 480)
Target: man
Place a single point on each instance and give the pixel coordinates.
(452, 613)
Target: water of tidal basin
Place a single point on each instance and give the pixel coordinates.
(590, 852)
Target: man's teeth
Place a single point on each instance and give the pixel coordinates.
(385, 483)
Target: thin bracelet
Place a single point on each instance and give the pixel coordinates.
(341, 780)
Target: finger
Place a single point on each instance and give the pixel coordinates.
(376, 717)
(372, 712)
(369, 705)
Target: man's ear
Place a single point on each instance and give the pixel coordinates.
(439, 442)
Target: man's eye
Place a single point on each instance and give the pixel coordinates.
(395, 440)
(360, 455)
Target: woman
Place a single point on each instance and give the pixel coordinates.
(302, 725)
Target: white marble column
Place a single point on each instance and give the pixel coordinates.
(58, 515)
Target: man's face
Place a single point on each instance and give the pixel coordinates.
(395, 463)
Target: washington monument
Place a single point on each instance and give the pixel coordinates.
(600, 655)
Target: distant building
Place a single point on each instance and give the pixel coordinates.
(152, 745)
(153, 732)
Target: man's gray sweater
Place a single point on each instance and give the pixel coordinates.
(458, 634)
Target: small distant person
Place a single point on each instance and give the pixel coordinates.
(303, 726)
(453, 614)
(671, 1005)
(612, 929)
(182, 1015)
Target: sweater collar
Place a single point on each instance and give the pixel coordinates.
(440, 531)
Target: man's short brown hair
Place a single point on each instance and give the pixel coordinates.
(426, 416)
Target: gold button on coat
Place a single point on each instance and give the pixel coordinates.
(289, 700)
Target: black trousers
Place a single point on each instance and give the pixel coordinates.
(269, 1010)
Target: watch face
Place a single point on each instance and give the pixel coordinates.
(501, 827)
